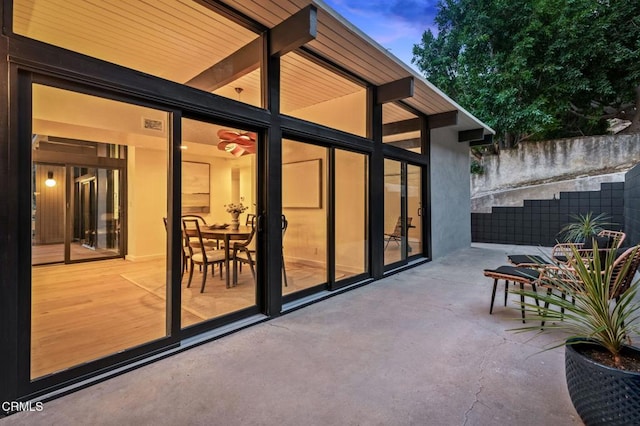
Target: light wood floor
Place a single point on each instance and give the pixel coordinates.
(82, 312)
(49, 253)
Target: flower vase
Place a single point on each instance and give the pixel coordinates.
(235, 223)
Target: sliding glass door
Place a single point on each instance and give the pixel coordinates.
(90, 159)
(219, 221)
(324, 201)
(403, 213)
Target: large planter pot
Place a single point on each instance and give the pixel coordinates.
(602, 395)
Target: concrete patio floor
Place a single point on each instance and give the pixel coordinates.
(416, 348)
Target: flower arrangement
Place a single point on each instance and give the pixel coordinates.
(235, 208)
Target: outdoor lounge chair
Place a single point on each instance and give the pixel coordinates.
(540, 276)
(515, 274)
(561, 252)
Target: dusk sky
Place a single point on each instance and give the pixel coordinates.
(395, 24)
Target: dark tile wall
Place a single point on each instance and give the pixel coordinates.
(538, 222)
(632, 205)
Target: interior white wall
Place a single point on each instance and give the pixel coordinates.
(306, 237)
(146, 203)
(450, 193)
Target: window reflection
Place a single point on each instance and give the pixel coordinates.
(414, 209)
(401, 128)
(304, 205)
(314, 93)
(84, 307)
(218, 178)
(351, 227)
(395, 238)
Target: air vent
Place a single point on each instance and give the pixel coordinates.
(151, 124)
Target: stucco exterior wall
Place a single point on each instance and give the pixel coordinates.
(450, 189)
(563, 159)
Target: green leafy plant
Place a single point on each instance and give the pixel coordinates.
(585, 226)
(476, 168)
(589, 299)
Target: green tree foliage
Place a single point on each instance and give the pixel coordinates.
(536, 69)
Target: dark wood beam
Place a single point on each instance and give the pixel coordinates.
(443, 119)
(288, 35)
(293, 32)
(404, 126)
(395, 90)
(406, 143)
(471, 135)
(231, 68)
(487, 140)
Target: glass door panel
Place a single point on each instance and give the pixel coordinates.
(403, 212)
(95, 220)
(414, 210)
(351, 224)
(395, 236)
(84, 311)
(304, 195)
(218, 179)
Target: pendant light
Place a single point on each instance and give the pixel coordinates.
(50, 182)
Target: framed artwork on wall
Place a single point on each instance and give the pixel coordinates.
(302, 184)
(195, 187)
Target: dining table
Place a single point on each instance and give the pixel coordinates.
(226, 235)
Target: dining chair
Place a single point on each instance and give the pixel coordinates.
(250, 218)
(245, 252)
(198, 252)
(209, 244)
(185, 254)
(396, 235)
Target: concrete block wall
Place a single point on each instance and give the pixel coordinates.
(538, 222)
(632, 205)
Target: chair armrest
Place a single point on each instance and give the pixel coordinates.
(564, 251)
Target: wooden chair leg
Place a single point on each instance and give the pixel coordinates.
(522, 300)
(506, 291)
(204, 277)
(284, 273)
(493, 295)
(533, 287)
(253, 269)
(190, 274)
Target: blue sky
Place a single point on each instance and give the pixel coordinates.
(395, 24)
